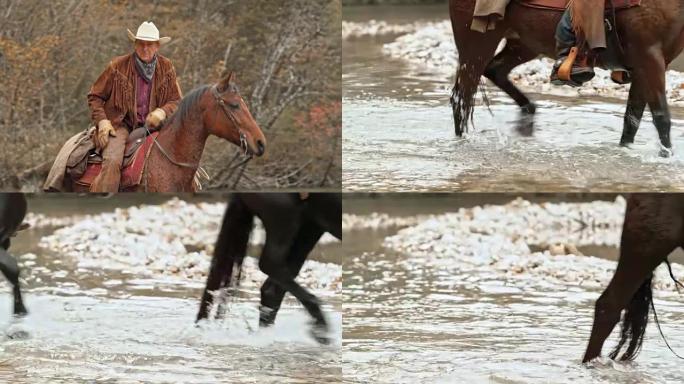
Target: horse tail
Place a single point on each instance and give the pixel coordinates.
(230, 251)
(233, 240)
(461, 103)
(655, 315)
(635, 321)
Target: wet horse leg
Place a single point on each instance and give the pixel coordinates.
(10, 268)
(475, 50)
(633, 114)
(273, 262)
(651, 75)
(232, 243)
(271, 293)
(513, 54)
(647, 239)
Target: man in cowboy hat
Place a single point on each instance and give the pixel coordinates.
(134, 90)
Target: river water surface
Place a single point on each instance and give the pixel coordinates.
(114, 326)
(424, 317)
(399, 135)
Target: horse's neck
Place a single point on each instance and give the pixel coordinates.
(184, 140)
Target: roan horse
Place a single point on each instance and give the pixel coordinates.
(653, 227)
(293, 225)
(651, 36)
(208, 110)
(12, 212)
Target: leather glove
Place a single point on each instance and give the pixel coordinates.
(155, 118)
(101, 136)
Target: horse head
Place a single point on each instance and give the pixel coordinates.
(229, 118)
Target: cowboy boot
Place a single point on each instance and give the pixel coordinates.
(579, 70)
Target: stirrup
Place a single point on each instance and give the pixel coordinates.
(621, 77)
(568, 74)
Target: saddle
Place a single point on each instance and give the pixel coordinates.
(561, 5)
(610, 59)
(137, 149)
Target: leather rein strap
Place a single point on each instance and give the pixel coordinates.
(224, 108)
(166, 154)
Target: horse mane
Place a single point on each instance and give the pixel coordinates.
(187, 104)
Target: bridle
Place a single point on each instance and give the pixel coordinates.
(226, 110)
(243, 138)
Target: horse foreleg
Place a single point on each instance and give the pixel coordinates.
(273, 262)
(644, 245)
(10, 268)
(272, 294)
(475, 50)
(513, 54)
(215, 279)
(633, 114)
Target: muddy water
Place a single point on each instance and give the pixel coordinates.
(116, 327)
(412, 319)
(399, 131)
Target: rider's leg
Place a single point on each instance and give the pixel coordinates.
(565, 41)
(112, 158)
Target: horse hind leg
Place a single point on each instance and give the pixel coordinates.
(642, 249)
(475, 50)
(497, 71)
(274, 264)
(651, 76)
(10, 268)
(272, 294)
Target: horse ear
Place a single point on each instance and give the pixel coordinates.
(227, 82)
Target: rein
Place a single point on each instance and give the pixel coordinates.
(168, 157)
(243, 139)
(231, 117)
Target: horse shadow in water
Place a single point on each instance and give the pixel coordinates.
(12, 212)
(650, 36)
(653, 228)
(293, 224)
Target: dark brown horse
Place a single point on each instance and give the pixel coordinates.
(12, 212)
(651, 35)
(654, 227)
(293, 226)
(217, 110)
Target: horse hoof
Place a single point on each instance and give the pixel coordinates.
(323, 340)
(319, 332)
(17, 335)
(665, 152)
(266, 316)
(626, 144)
(525, 125)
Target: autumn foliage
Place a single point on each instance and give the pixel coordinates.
(286, 54)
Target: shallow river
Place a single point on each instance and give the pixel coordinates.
(107, 326)
(398, 131)
(411, 318)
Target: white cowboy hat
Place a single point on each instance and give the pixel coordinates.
(147, 31)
